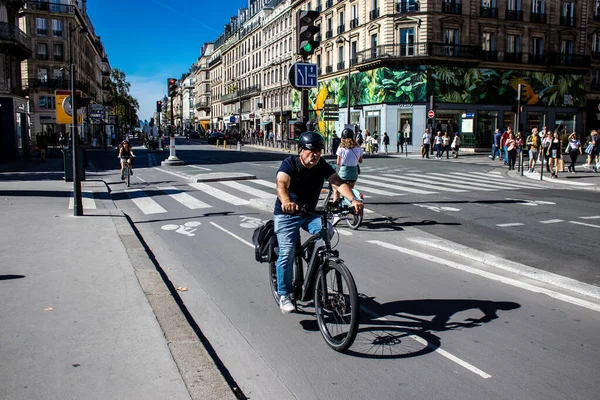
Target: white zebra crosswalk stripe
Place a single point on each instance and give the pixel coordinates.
(499, 179)
(87, 201)
(361, 188)
(390, 186)
(474, 185)
(262, 182)
(497, 182)
(184, 198)
(250, 190)
(145, 203)
(411, 181)
(219, 194)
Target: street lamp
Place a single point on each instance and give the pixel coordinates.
(280, 74)
(340, 41)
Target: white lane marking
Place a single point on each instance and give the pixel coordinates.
(436, 349)
(251, 163)
(250, 190)
(197, 167)
(137, 177)
(274, 166)
(591, 217)
(551, 221)
(536, 176)
(184, 198)
(87, 201)
(144, 202)
(584, 224)
(367, 211)
(531, 202)
(460, 183)
(219, 194)
(262, 182)
(424, 183)
(494, 183)
(436, 208)
(173, 173)
(390, 186)
(232, 234)
(360, 188)
(509, 281)
(510, 224)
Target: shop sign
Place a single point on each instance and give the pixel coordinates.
(409, 105)
(252, 116)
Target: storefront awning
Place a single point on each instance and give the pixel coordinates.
(266, 123)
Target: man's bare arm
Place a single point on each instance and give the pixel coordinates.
(283, 186)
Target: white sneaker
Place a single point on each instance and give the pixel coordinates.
(285, 305)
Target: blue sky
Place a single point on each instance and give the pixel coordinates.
(153, 40)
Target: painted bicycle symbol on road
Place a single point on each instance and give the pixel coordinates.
(186, 229)
(251, 222)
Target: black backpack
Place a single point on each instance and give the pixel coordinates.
(265, 242)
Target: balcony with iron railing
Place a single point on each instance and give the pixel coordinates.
(341, 65)
(567, 21)
(452, 8)
(373, 14)
(341, 29)
(42, 56)
(328, 34)
(329, 69)
(202, 104)
(14, 41)
(537, 59)
(537, 18)
(407, 6)
(489, 55)
(569, 60)
(58, 57)
(488, 12)
(57, 33)
(51, 6)
(238, 94)
(514, 15)
(328, 3)
(49, 84)
(214, 61)
(41, 31)
(419, 50)
(353, 23)
(513, 57)
(354, 60)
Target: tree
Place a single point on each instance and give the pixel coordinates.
(125, 106)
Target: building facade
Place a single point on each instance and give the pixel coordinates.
(202, 88)
(62, 34)
(15, 46)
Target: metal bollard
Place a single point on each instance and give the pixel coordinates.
(224, 144)
(239, 146)
(217, 142)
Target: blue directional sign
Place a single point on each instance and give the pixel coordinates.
(305, 75)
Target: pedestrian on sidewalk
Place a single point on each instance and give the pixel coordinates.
(425, 143)
(400, 145)
(574, 150)
(438, 145)
(503, 145)
(533, 146)
(511, 150)
(496, 145)
(455, 145)
(386, 142)
(554, 152)
(546, 142)
(446, 145)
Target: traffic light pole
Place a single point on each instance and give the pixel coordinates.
(172, 159)
(77, 201)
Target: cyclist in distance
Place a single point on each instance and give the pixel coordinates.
(125, 155)
(300, 180)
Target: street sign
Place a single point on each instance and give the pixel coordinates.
(431, 114)
(305, 75)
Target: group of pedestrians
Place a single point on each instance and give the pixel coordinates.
(544, 146)
(441, 143)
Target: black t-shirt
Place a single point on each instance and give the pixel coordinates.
(306, 183)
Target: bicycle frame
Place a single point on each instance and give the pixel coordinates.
(318, 257)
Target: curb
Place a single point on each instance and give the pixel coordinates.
(203, 373)
(553, 184)
(511, 266)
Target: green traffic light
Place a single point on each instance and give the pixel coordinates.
(308, 47)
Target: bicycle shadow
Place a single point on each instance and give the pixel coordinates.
(394, 224)
(412, 332)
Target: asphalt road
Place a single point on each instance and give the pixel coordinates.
(434, 324)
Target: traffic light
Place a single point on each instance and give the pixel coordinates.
(305, 30)
(172, 83)
(159, 106)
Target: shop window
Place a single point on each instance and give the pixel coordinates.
(565, 124)
(405, 123)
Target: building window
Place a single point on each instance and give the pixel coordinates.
(538, 6)
(354, 51)
(487, 42)
(537, 46)
(513, 44)
(566, 47)
(40, 27)
(57, 28)
(58, 52)
(47, 102)
(42, 51)
(42, 74)
(407, 42)
(513, 5)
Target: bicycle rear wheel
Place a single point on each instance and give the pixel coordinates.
(336, 305)
(128, 172)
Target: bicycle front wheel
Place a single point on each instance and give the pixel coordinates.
(354, 220)
(128, 172)
(336, 305)
(273, 281)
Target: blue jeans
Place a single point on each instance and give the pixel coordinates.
(505, 148)
(495, 150)
(287, 229)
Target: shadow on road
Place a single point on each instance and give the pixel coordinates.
(412, 331)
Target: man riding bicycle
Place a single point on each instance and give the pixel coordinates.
(125, 155)
(299, 182)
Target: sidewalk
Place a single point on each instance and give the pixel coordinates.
(85, 313)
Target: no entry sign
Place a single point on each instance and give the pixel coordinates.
(431, 114)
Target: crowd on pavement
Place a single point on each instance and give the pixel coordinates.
(441, 143)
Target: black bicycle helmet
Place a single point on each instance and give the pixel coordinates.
(311, 141)
(347, 134)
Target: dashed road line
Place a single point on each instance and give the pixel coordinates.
(552, 221)
(510, 224)
(584, 224)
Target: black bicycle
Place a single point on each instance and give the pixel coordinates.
(344, 210)
(328, 282)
